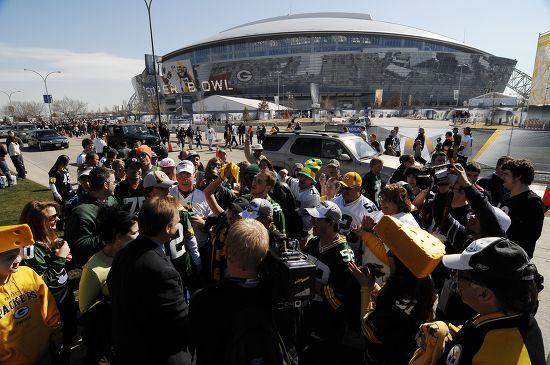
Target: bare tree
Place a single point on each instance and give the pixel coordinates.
(70, 108)
(26, 110)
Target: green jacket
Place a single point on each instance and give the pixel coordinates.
(82, 232)
(52, 270)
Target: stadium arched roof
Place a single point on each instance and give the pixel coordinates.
(319, 23)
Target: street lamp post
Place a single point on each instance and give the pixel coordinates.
(45, 86)
(278, 75)
(460, 81)
(9, 98)
(148, 5)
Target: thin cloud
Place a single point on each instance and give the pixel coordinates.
(73, 65)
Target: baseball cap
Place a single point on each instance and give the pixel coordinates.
(257, 147)
(185, 166)
(495, 258)
(157, 179)
(351, 179)
(133, 163)
(252, 169)
(326, 209)
(85, 172)
(334, 162)
(192, 154)
(167, 162)
(221, 150)
(258, 208)
(240, 204)
(144, 149)
(15, 236)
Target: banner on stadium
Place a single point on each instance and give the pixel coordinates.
(378, 97)
(150, 65)
(541, 73)
(178, 77)
(314, 90)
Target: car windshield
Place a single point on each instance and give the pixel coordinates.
(138, 130)
(361, 148)
(47, 133)
(25, 127)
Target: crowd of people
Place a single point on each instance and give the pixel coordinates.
(172, 262)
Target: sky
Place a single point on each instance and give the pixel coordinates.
(99, 45)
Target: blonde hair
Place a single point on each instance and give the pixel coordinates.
(247, 243)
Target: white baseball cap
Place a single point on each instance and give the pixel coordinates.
(257, 147)
(185, 166)
(258, 208)
(326, 209)
(167, 162)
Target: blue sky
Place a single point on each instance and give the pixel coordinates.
(99, 45)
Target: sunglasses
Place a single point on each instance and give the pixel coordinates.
(52, 218)
(347, 188)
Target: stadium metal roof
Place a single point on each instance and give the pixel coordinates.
(322, 23)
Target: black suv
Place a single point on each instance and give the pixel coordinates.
(132, 132)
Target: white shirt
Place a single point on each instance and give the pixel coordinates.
(210, 133)
(306, 198)
(80, 159)
(235, 130)
(198, 206)
(406, 218)
(99, 144)
(467, 142)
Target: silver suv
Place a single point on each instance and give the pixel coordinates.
(287, 148)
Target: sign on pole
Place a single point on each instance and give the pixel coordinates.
(456, 95)
(47, 99)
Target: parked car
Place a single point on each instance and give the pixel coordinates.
(22, 130)
(4, 129)
(47, 139)
(131, 132)
(284, 149)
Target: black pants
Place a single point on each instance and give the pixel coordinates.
(19, 166)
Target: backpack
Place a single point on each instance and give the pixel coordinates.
(255, 339)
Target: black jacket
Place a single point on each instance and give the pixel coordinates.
(495, 186)
(149, 310)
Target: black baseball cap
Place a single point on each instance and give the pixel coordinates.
(239, 205)
(493, 258)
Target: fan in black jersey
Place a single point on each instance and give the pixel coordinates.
(60, 181)
(129, 192)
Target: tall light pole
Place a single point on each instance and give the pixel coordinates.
(148, 5)
(461, 65)
(278, 75)
(45, 86)
(9, 98)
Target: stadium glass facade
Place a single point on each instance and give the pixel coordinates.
(353, 70)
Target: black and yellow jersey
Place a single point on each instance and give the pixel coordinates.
(496, 338)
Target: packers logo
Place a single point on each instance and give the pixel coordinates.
(21, 312)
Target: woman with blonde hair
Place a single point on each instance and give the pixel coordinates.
(48, 258)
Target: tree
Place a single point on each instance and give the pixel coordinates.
(70, 108)
(246, 114)
(26, 110)
(291, 102)
(263, 105)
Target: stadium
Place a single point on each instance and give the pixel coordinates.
(355, 61)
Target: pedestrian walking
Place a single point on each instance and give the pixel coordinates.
(210, 134)
(198, 138)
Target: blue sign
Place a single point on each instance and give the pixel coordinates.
(47, 99)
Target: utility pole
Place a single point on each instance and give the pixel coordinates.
(49, 102)
(11, 110)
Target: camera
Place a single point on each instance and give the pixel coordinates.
(291, 274)
(441, 174)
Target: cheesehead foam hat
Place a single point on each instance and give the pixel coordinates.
(16, 236)
(311, 168)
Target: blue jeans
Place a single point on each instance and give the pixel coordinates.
(5, 169)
